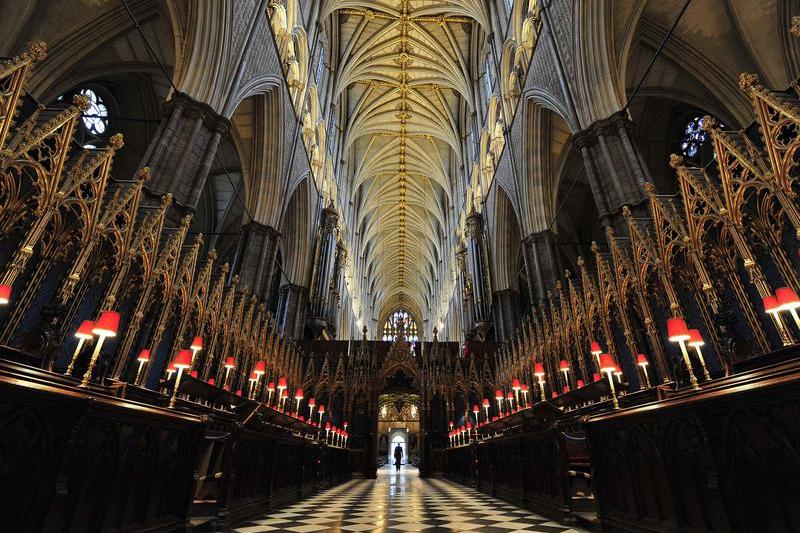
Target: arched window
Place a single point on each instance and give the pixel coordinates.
(94, 124)
(320, 70)
(95, 119)
(391, 327)
(695, 137)
(488, 74)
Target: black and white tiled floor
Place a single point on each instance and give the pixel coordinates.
(402, 502)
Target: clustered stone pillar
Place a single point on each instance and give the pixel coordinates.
(324, 258)
(542, 263)
(333, 296)
(256, 259)
(506, 313)
(290, 316)
(478, 259)
(182, 152)
(614, 168)
(466, 287)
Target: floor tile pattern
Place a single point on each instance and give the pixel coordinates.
(402, 502)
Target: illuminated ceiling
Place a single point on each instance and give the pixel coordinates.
(405, 74)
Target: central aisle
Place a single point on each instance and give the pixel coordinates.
(402, 501)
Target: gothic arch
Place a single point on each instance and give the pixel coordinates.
(297, 230)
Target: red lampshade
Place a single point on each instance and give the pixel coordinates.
(498, 394)
(596, 349)
(212, 381)
(298, 394)
(107, 325)
(566, 388)
(85, 330)
(563, 365)
(475, 409)
(345, 424)
(194, 374)
(515, 383)
(144, 355)
(469, 425)
(230, 362)
(641, 360)
(486, 402)
(554, 394)
(510, 396)
(281, 383)
(677, 330)
(285, 393)
(695, 339)
(171, 367)
(183, 359)
(463, 429)
(787, 298)
(238, 392)
(321, 409)
(771, 304)
(260, 368)
(606, 363)
(596, 377)
(579, 384)
(327, 425)
(226, 387)
(5, 294)
(253, 376)
(494, 418)
(312, 402)
(302, 418)
(271, 386)
(538, 370)
(197, 343)
(524, 388)
(451, 423)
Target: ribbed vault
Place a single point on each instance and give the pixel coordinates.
(404, 75)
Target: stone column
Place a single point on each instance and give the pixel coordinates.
(466, 288)
(506, 314)
(182, 152)
(256, 261)
(291, 313)
(542, 263)
(614, 168)
(324, 256)
(478, 260)
(333, 295)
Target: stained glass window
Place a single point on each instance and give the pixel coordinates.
(695, 137)
(489, 75)
(391, 327)
(95, 119)
(320, 65)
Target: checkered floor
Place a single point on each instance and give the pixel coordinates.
(402, 502)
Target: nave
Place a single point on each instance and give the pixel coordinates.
(402, 501)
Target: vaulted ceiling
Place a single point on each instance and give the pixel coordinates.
(405, 78)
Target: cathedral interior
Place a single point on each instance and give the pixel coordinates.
(400, 265)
